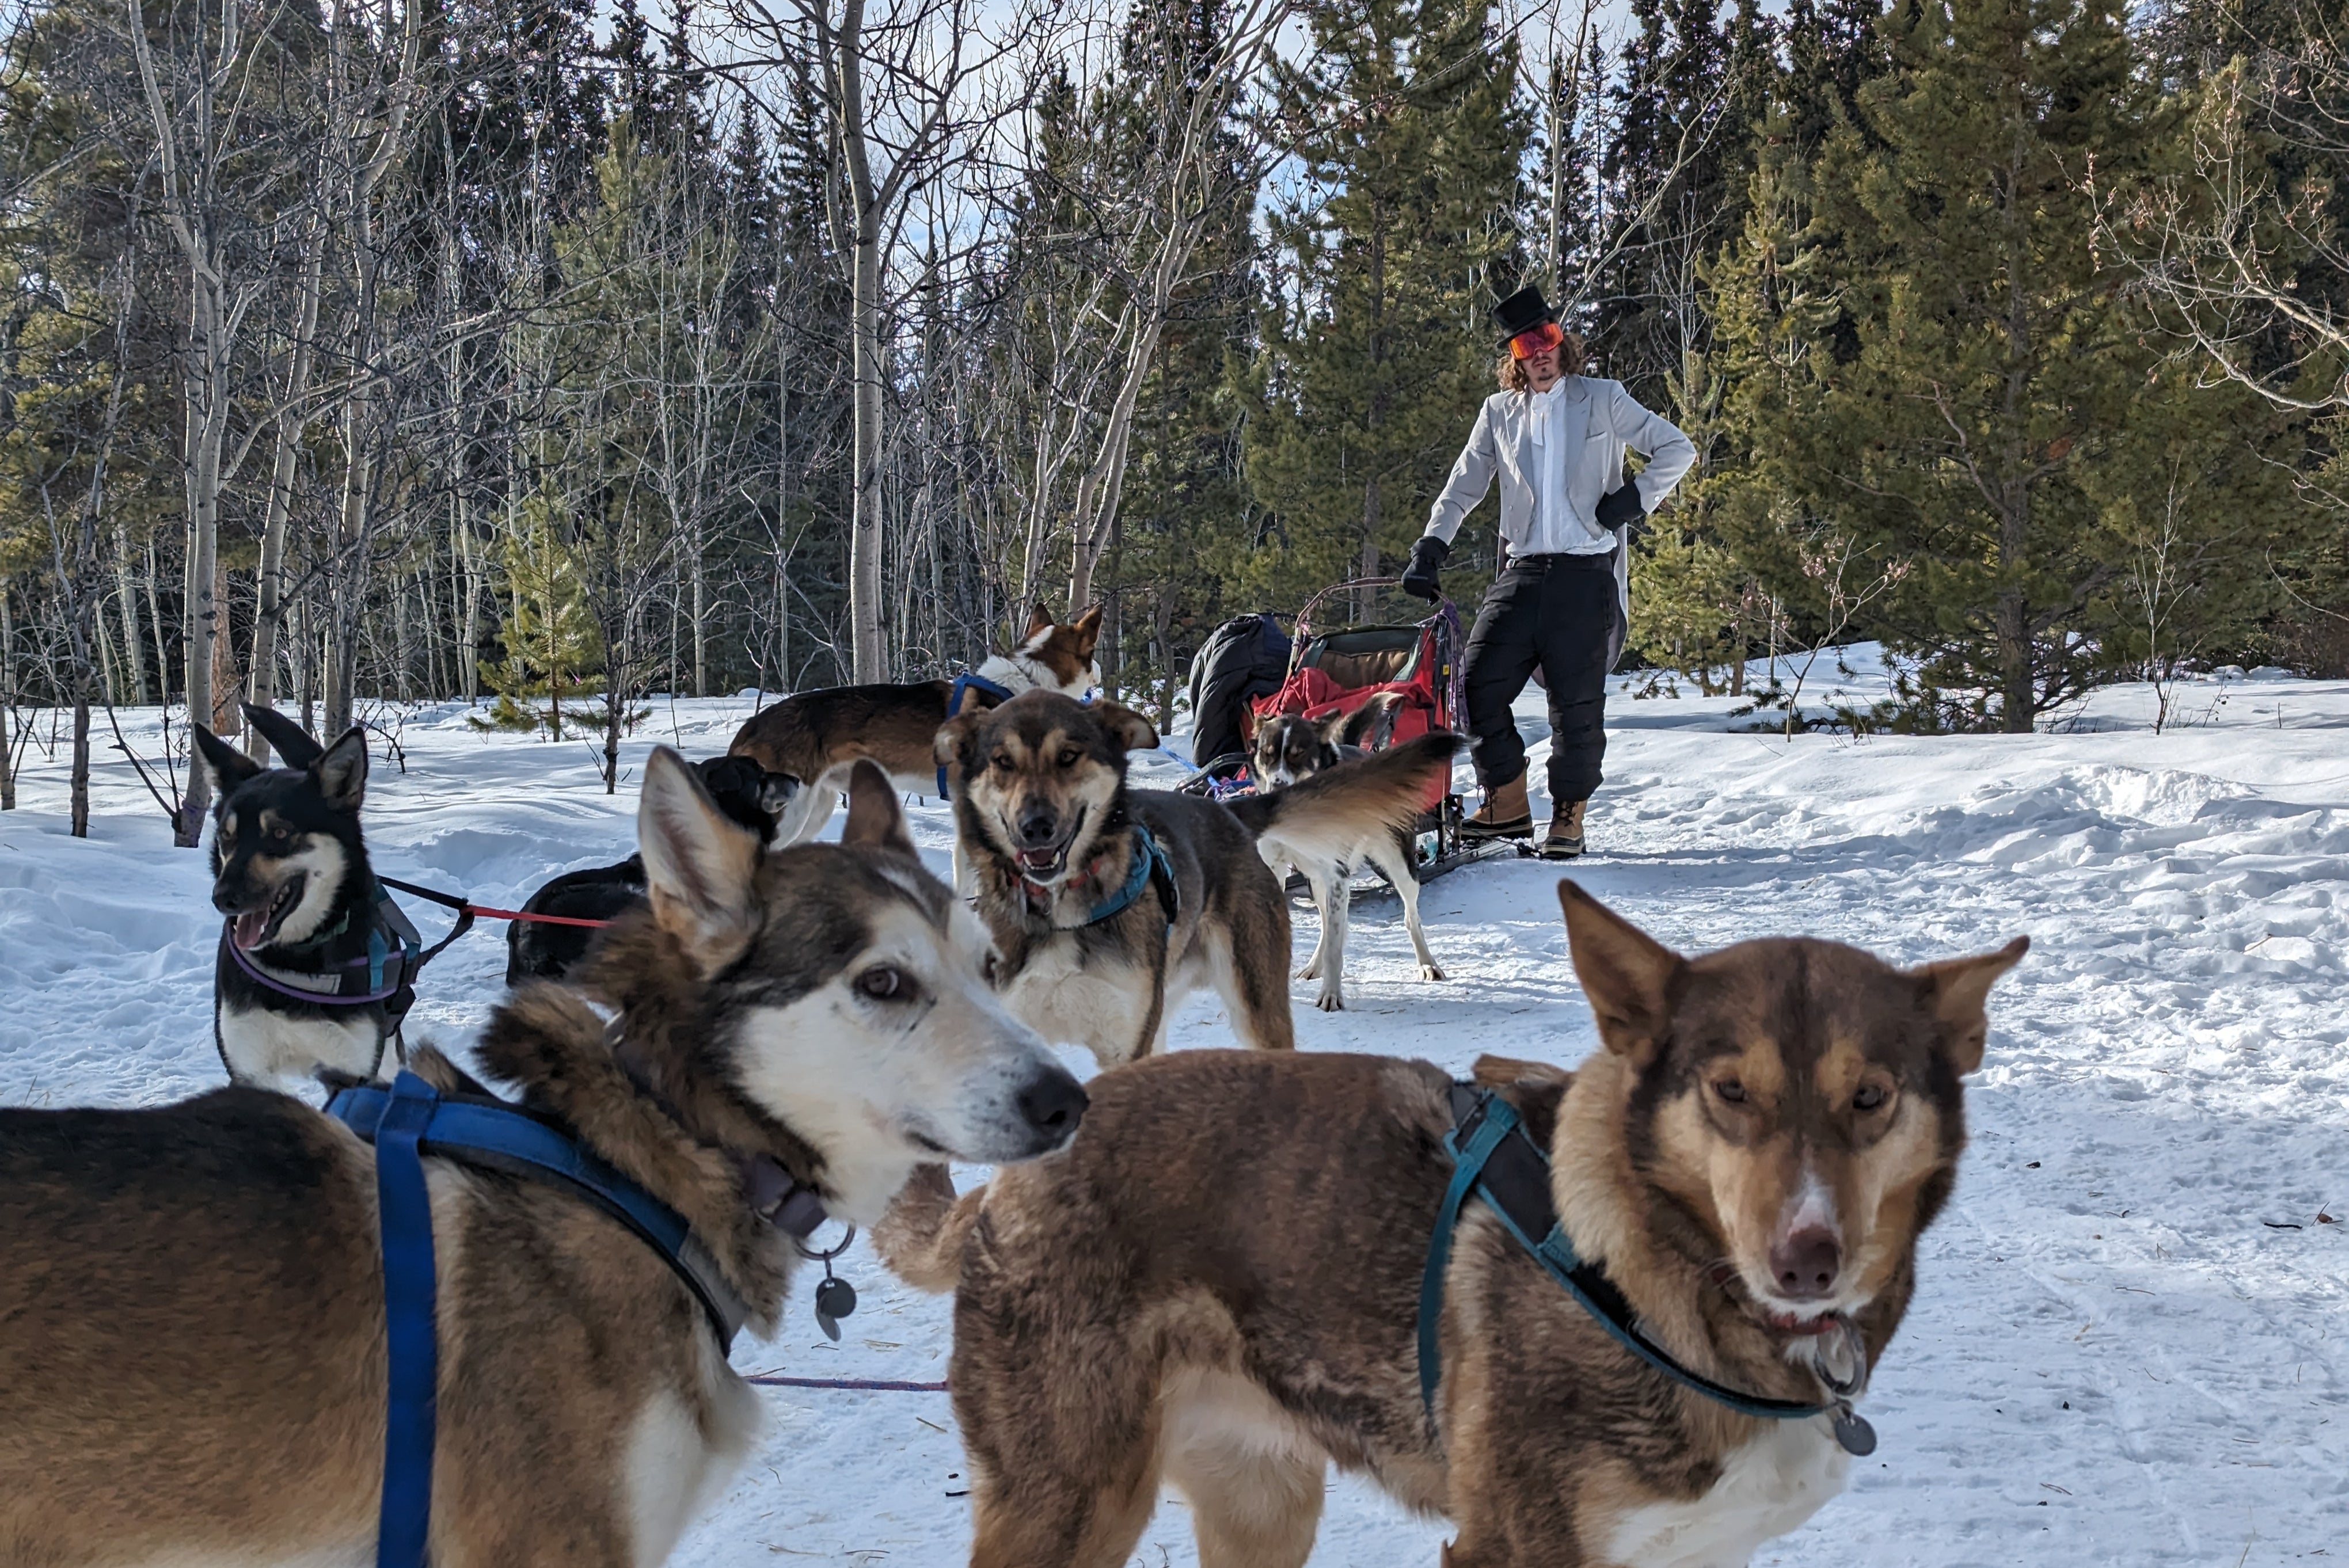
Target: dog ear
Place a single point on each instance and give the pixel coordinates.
(954, 736)
(1627, 974)
(230, 767)
(1128, 729)
(1955, 991)
(1039, 620)
(291, 741)
(1088, 627)
(700, 865)
(341, 770)
(875, 818)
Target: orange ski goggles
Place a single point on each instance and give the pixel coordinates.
(1534, 340)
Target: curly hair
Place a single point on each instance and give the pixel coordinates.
(1511, 371)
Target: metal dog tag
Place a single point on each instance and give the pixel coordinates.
(1852, 1431)
(835, 1298)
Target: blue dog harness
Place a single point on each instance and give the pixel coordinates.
(1149, 860)
(410, 1120)
(1494, 1158)
(964, 683)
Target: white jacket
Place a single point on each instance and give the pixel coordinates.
(1600, 421)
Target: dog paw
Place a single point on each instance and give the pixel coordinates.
(1330, 1002)
(1431, 971)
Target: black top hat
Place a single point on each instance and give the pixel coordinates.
(1522, 311)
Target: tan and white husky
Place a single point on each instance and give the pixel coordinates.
(1217, 1286)
(1102, 939)
(817, 737)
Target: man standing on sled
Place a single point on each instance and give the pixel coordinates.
(1562, 601)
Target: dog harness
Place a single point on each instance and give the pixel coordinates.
(410, 1119)
(1494, 1158)
(964, 683)
(1149, 860)
(387, 973)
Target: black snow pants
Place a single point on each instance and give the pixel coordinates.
(1558, 612)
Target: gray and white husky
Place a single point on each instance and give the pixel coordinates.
(193, 1368)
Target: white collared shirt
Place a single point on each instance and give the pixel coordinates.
(1557, 528)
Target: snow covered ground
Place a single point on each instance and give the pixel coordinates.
(2131, 1341)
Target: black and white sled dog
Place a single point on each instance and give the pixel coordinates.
(316, 962)
(1290, 749)
(748, 794)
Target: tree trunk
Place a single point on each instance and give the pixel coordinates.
(78, 776)
(155, 619)
(270, 609)
(1365, 597)
(128, 596)
(2017, 699)
(227, 717)
(864, 541)
(207, 425)
(7, 700)
(700, 618)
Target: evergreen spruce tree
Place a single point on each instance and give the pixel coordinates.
(1940, 383)
(553, 651)
(1376, 343)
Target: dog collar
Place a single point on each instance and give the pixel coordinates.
(792, 1206)
(1494, 1158)
(385, 973)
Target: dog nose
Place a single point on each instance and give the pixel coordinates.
(1053, 1103)
(1038, 824)
(1806, 1264)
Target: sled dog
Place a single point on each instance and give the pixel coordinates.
(194, 1366)
(1110, 905)
(749, 795)
(302, 911)
(1291, 748)
(817, 736)
(1233, 1254)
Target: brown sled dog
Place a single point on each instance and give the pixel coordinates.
(193, 1365)
(1231, 1253)
(817, 736)
(1100, 941)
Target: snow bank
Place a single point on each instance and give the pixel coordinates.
(2129, 1346)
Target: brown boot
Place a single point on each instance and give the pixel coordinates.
(1505, 814)
(1565, 840)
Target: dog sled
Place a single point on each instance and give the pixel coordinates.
(1331, 671)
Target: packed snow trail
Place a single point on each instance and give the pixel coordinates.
(2130, 1342)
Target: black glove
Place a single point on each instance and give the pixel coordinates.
(1426, 560)
(1620, 507)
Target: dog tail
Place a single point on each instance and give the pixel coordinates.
(1327, 818)
(921, 1237)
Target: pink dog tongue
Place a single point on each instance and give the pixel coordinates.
(249, 927)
